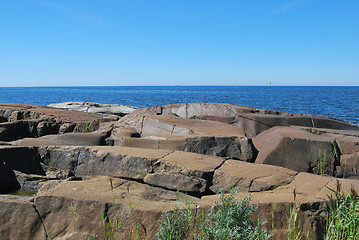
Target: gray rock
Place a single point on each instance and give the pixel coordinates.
(112, 109)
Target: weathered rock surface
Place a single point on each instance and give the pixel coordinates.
(95, 138)
(296, 149)
(112, 109)
(21, 121)
(162, 157)
(252, 120)
(192, 135)
(250, 177)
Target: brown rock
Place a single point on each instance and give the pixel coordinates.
(348, 144)
(69, 139)
(19, 219)
(173, 133)
(250, 177)
(177, 181)
(349, 165)
(92, 199)
(296, 149)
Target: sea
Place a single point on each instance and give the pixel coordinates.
(334, 102)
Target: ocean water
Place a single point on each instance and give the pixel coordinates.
(335, 102)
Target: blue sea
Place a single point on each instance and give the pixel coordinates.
(335, 102)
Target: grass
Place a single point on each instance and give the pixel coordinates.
(343, 217)
(176, 224)
(112, 226)
(321, 163)
(228, 219)
(294, 223)
(88, 127)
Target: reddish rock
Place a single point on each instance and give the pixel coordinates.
(250, 177)
(349, 166)
(174, 133)
(19, 219)
(296, 149)
(96, 138)
(348, 144)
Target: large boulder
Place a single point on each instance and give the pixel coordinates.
(297, 149)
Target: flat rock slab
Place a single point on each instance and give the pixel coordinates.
(21, 111)
(171, 126)
(174, 133)
(189, 171)
(95, 138)
(114, 109)
(250, 177)
(101, 196)
(19, 219)
(19, 121)
(197, 110)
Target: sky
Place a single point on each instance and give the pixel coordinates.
(179, 42)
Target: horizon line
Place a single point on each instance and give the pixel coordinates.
(66, 86)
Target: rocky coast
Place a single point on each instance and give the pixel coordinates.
(67, 168)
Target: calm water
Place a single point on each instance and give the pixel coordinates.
(336, 102)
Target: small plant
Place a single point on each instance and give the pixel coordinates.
(229, 219)
(343, 215)
(2, 214)
(111, 227)
(321, 163)
(175, 225)
(73, 212)
(294, 224)
(88, 127)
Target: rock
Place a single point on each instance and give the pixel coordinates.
(135, 164)
(95, 138)
(252, 120)
(250, 177)
(348, 144)
(296, 149)
(173, 133)
(255, 123)
(230, 147)
(23, 159)
(18, 211)
(349, 166)
(21, 121)
(197, 168)
(197, 110)
(8, 181)
(92, 199)
(112, 109)
(177, 181)
(156, 155)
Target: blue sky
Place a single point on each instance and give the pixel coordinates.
(178, 42)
